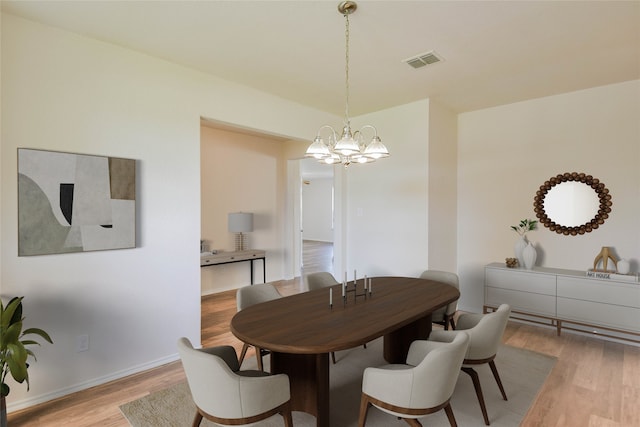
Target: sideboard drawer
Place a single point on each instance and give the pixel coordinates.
(600, 291)
(544, 305)
(521, 280)
(595, 314)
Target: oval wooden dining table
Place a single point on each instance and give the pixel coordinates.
(302, 329)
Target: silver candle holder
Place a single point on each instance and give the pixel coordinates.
(352, 288)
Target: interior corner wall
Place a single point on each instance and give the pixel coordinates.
(506, 153)
(65, 92)
(242, 173)
(386, 201)
(443, 186)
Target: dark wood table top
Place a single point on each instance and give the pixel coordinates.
(305, 324)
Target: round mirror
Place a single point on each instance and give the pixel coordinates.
(572, 203)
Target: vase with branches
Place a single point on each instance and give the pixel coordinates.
(522, 228)
(525, 226)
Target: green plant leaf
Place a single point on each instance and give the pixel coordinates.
(16, 358)
(11, 313)
(11, 335)
(38, 331)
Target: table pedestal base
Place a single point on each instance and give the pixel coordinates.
(309, 373)
(397, 343)
(309, 379)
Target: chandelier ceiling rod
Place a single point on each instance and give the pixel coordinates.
(350, 147)
(346, 8)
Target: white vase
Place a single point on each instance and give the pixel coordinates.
(521, 243)
(529, 255)
(623, 266)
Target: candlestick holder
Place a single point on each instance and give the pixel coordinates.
(352, 288)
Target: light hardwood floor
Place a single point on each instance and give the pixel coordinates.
(595, 383)
(317, 256)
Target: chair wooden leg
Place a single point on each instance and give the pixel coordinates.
(412, 422)
(259, 358)
(476, 384)
(448, 320)
(364, 408)
(197, 419)
(286, 414)
(492, 364)
(333, 357)
(243, 353)
(449, 412)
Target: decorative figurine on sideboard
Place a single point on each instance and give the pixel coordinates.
(604, 256)
(621, 270)
(511, 262)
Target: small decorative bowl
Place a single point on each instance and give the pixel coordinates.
(511, 262)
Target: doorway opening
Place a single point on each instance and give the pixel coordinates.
(317, 217)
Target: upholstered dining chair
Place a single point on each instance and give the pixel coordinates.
(226, 395)
(422, 386)
(322, 279)
(443, 316)
(319, 280)
(485, 335)
(248, 296)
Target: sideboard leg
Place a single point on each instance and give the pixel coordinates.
(558, 326)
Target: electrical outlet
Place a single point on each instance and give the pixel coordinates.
(82, 343)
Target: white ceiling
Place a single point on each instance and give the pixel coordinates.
(495, 52)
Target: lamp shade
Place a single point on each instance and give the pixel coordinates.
(240, 222)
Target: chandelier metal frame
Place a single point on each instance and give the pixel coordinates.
(350, 147)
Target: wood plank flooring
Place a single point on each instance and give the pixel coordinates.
(595, 383)
(317, 256)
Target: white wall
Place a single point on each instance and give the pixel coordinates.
(317, 209)
(386, 201)
(506, 153)
(64, 92)
(443, 185)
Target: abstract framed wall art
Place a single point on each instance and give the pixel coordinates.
(74, 202)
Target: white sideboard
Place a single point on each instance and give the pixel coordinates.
(566, 299)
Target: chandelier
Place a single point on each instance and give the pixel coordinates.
(351, 147)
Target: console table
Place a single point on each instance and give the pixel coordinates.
(231, 257)
(566, 299)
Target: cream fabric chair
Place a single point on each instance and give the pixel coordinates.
(322, 279)
(422, 386)
(444, 316)
(248, 296)
(225, 395)
(485, 335)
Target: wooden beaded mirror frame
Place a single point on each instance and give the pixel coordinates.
(603, 208)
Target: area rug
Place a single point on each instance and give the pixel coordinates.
(523, 372)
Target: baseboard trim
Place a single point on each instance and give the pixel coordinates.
(36, 400)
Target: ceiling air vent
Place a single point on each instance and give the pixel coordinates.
(423, 59)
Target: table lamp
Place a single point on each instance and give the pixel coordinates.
(240, 222)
